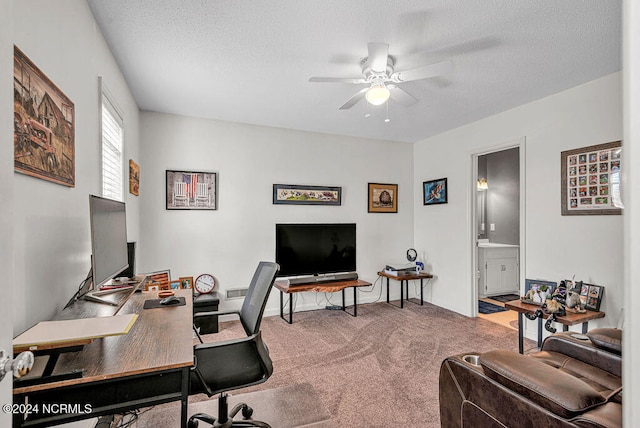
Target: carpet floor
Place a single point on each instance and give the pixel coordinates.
(376, 370)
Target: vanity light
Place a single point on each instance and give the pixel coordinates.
(482, 184)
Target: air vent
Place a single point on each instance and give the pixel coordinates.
(236, 293)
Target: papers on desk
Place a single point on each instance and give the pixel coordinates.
(60, 334)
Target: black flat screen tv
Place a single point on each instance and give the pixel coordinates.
(315, 249)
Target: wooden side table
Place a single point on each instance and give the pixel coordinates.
(567, 320)
(404, 284)
(327, 287)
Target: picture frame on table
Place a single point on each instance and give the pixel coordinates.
(175, 285)
(435, 192)
(591, 295)
(186, 282)
(537, 290)
(383, 198)
(294, 194)
(159, 280)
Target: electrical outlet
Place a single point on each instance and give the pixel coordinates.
(492, 227)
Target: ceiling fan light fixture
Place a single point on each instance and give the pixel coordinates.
(377, 94)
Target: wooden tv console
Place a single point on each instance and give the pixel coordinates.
(326, 287)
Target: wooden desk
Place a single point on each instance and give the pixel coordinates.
(566, 321)
(404, 284)
(327, 287)
(148, 366)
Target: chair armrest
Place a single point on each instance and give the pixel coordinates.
(585, 351)
(212, 313)
(561, 393)
(217, 363)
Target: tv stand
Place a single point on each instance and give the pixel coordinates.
(326, 287)
(317, 279)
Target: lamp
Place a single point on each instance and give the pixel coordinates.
(377, 94)
(482, 184)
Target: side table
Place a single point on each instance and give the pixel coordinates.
(567, 320)
(404, 284)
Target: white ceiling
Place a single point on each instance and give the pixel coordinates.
(250, 61)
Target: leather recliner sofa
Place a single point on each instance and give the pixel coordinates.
(571, 382)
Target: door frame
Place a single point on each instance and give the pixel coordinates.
(472, 238)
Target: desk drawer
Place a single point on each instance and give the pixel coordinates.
(100, 398)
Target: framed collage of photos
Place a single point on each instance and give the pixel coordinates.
(591, 180)
(591, 296)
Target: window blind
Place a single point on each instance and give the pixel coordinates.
(112, 147)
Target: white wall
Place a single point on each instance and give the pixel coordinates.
(51, 222)
(631, 189)
(229, 242)
(6, 191)
(557, 247)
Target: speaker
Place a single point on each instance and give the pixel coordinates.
(130, 272)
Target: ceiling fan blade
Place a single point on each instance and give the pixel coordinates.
(378, 53)
(425, 72)
(401, 96)
(354, 99)
(355, 80)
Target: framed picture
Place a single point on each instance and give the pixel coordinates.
(186, 281)
(158, 280)
(383, 198)
(43, 125)
(591, 295)
(434, 192)
(175, 285)
(306, 195)
(536, 291)
(134, 178)
(590, 180)
(188, 190)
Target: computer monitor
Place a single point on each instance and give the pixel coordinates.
(129, 272)
(109, 253)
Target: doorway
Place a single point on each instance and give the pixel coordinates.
(497, 239)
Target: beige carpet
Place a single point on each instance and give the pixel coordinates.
(293, 406)
(377, 370)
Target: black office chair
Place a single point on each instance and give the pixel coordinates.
(237, 363)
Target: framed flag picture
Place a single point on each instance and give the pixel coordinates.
(188, 190)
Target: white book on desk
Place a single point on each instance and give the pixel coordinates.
(59, 334)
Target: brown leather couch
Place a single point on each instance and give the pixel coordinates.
(570, 382)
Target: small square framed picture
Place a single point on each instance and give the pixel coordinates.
(186, 281)
(176, 284)
(593, 297)
(435, 192)
(383, 198)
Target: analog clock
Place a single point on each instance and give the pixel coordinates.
(205, 283)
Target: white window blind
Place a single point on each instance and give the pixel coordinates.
(112, 145)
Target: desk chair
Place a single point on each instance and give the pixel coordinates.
(237, 363)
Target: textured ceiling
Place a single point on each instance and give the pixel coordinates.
(250, 61)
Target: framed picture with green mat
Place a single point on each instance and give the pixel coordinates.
(537, 290)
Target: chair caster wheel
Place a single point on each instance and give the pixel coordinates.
(192, 423)
(247, 412)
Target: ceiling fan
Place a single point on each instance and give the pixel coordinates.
(378, 73)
